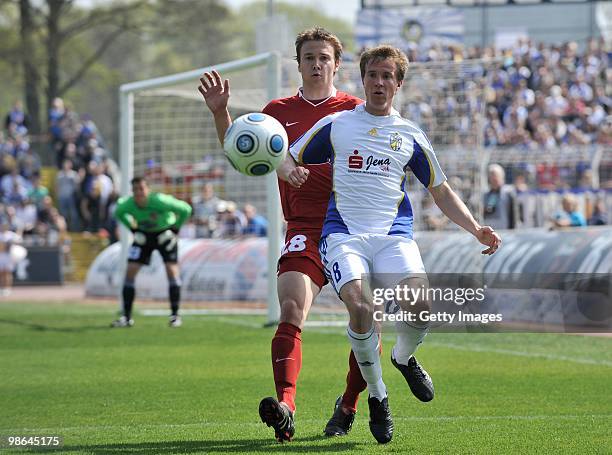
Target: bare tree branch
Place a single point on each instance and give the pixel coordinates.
(13, 54)
(38, 11)
(99, 17)
(93, 58)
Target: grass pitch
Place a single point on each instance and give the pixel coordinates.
(152, 389)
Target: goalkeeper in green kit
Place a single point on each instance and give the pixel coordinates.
(154, 219)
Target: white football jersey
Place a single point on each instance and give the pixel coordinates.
(370, 156)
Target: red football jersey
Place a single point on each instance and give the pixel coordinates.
(307, 205)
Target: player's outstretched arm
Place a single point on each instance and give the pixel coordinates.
(216, 95)
(290, 172)
(454, 208)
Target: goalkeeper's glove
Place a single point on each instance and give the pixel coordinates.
(140, 238)
(167, 239)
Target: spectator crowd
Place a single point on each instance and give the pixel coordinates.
(84, 187)
(538, 108)
(542, 111)
(217, 218)
(532, 97)
(87, 180)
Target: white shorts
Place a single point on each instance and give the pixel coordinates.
(348, 257)
(6, 262)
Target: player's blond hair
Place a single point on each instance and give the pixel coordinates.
(318, 34)
(384, 52)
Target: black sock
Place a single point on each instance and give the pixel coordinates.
(128, 299)
(174, 291)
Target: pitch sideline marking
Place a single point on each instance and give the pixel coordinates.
(469, 348)
(473, 348)
(206, 312)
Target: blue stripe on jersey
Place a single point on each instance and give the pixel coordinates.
(419, 163)
(402, 224)
(319, 148)
(333, 220)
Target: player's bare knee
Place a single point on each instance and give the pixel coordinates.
(172, 270)
(351, 293)
(293, 311)
(419, 305)
(421, 309)
(415, 301)
(132, 271)
(365, 311)
(361, 314)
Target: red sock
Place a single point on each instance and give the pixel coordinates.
(355, 384)
(287, 361)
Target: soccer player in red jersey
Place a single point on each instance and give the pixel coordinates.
(300, 272)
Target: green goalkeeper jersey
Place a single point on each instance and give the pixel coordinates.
(161, 212)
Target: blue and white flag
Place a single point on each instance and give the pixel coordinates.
(405, 27)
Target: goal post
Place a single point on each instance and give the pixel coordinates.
(134, 159)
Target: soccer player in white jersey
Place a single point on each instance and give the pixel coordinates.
(368, 226)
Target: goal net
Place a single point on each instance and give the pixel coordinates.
(168, 134)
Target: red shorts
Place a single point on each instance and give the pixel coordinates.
(301, 254)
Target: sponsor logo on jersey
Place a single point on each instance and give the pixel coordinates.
(355, 161)
(291, 123)
(395, 141)
(373, 132)
(381, 164)
(369, 164)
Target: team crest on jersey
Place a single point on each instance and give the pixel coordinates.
(395, 141)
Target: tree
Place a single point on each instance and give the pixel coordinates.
(300, 17)
(118, 18)
(198, 30)
(52, 26)
(51, 48)
(31, 75)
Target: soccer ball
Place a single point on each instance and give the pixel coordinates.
(255, 144)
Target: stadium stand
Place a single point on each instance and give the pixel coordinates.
(548, 121)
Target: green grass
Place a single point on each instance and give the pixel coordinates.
(151, 389)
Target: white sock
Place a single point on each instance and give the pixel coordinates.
(365, 348)
(408, 338)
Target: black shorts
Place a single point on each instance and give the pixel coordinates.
(166, 244)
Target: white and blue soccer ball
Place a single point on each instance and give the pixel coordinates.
(255, 144)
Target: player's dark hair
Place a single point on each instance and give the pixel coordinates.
(318, 34)
(384, 52)
(138, 179)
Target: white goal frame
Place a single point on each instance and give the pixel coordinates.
(273, 62)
